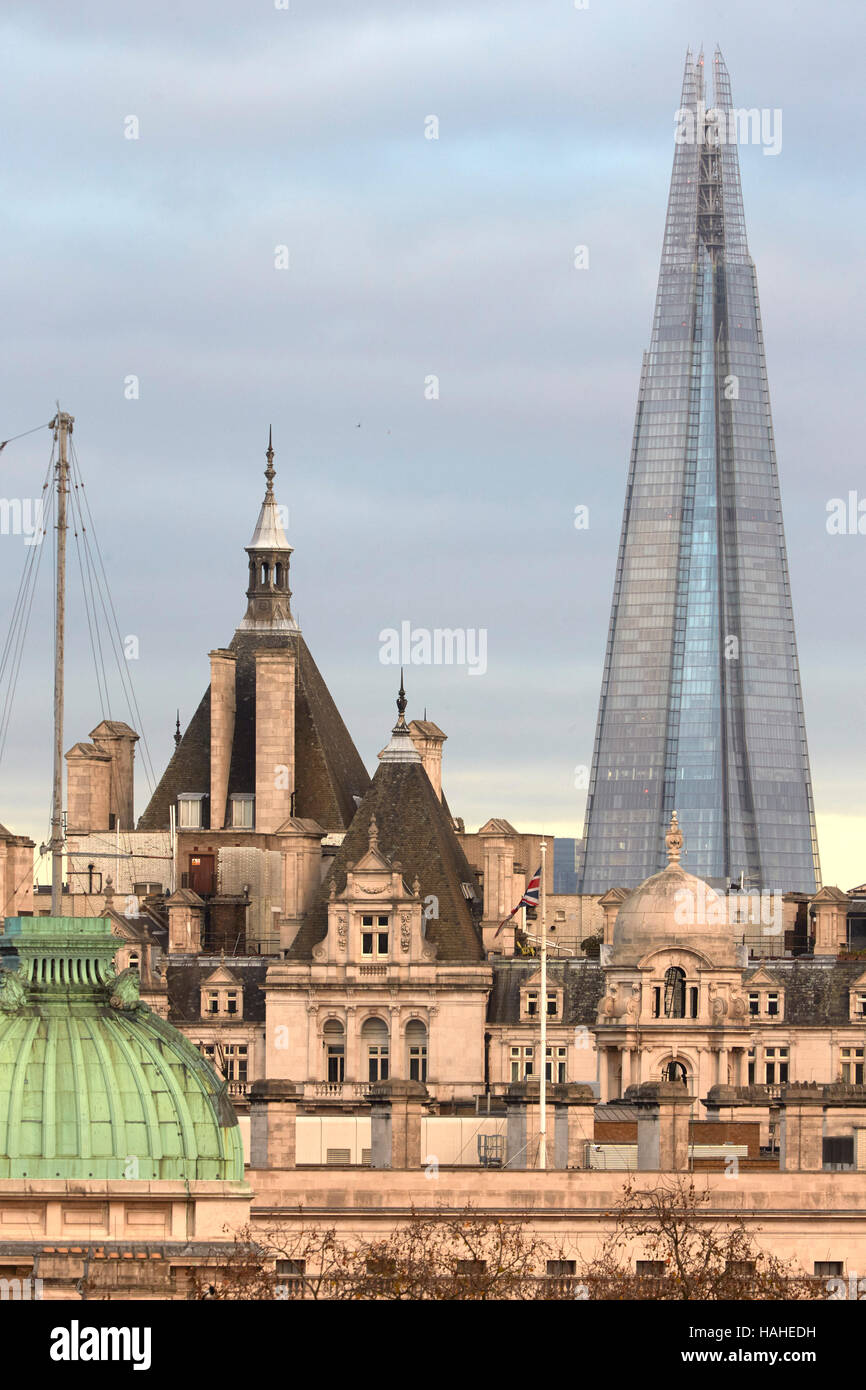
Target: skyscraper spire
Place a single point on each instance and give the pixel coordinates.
(701, 703)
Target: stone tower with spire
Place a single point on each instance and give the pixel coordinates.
(269, 596)
(266, 762)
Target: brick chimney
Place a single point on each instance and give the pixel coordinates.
(222, 731)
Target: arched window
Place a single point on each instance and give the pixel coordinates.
(133, 961)
(374, 1038)
(416, 1050)
(278, 576)
(675, 992)
(335, 1049)
(674, 1071)
(266, 573)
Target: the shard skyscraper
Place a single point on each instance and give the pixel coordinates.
(701, 710)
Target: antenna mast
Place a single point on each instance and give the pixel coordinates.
(62, 426)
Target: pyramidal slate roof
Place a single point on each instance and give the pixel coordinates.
(414, 827)
(329, 772)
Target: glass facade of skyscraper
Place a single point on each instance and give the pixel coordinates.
(701, 710)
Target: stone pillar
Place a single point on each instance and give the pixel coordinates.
(396, 1110)
(830, 907)
(222, 731)
(801, 1138)
(88, 788)
(275, 737)
(16, 875)
(273, 1116)
(118, 740)
(663, 1114)
(498, 860)
(428, 740)
(574, 1124)
(185, 918)
(521, 1127)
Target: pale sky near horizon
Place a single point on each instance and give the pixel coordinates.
(408, 258)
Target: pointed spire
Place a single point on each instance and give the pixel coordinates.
(674, 840)
(402, 702)
(177, 733)
(270, 471)
(401, 749)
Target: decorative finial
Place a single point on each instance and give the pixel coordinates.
(270, 471)
(402, 702)
(373, 833)
(674, 840)
(332, 890)
(109, 892)
(177, 733)
(416, 887)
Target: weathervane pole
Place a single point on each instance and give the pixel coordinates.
(542, 1108)
(62, 426)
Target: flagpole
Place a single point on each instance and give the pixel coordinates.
(542, 1112)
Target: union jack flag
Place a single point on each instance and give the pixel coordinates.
(529, 899)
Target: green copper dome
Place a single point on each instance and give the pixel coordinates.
(92, 1083)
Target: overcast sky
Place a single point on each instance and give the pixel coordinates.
(409, 257)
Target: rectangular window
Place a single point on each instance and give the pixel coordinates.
(471, 1269)
(829, 1269)
(556, 1064)
(418, 1062)
(532, 1004)
(693, 1001)
(560, 1269)
(374, 942)
(751, 1061)
(522, 1059)
(657, 1001)
(551, 1006)
(336, 1062)
(650, 1269)
(852, 1066)
(213, 1003)
(242, 812)
(236, 1055)
(189, 812)
(860, 1005)
(231, 1002)
(377, 1062)
(754, 1005)
(772, 1005)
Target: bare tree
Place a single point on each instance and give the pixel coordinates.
(687, 1252)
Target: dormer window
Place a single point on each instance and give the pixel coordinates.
(222, 1001)
(374, 936)
(531, 1007)
(860, 1004)
(765, 1003)
(189, 810)
(242, 810)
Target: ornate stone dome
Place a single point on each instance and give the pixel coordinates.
(92, 1083)
(673, 908)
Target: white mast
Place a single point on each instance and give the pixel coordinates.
(62, 426)
(542, 1110)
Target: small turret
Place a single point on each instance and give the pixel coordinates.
(269, 595)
